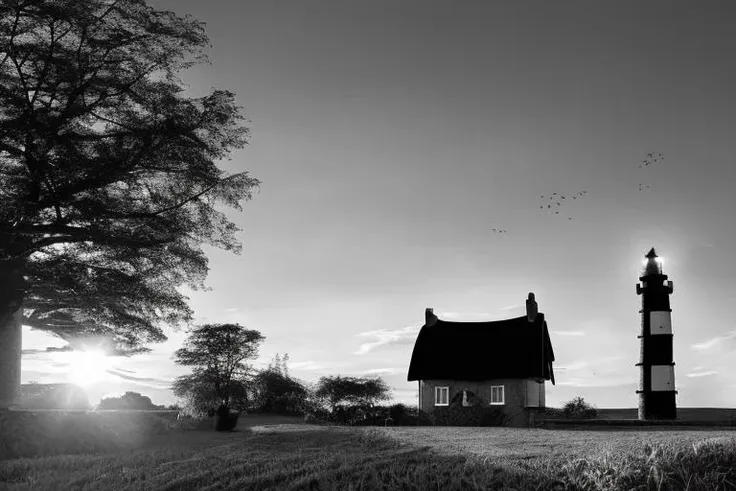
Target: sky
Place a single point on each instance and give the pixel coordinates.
(392, 138)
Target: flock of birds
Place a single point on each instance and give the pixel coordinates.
(555, 203)
(650, 159)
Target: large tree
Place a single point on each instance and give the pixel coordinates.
(108, 179)
(217, 354)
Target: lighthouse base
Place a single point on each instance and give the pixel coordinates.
(657, 405)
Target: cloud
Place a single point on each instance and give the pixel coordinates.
(379, 371)
(511, 307)
(385, 336)
(578, 365)
(32, 351)
(154, 382)
(306, 365)
(233, 309)
(701, 374)
(598, 382)
(464, 316)
(567, 333)
(713, 342)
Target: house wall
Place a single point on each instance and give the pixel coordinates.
(515, 394)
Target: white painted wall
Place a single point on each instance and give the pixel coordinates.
(663, 377)
(660, 322)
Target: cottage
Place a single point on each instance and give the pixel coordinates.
(483, 373)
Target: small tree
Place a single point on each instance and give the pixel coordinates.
(579, 408)
(352, 391)
(276, 392)
(217, 353)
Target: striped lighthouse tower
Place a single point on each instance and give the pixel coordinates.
(657, 370)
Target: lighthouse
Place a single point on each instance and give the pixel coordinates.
(656, 368)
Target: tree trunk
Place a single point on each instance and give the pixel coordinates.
(11, 336)
(12, 291)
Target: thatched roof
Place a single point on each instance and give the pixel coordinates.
(511, 348)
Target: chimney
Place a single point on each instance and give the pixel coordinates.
(429, 318)
(531, 308)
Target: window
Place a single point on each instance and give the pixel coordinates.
(441, 396)
(497, 394)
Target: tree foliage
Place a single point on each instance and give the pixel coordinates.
(218, 354)
(199, 396)
(129, 400)
(108, 179)
(275, 391)
(352, 391)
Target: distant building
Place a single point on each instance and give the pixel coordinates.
(472, 373)
(53, 396)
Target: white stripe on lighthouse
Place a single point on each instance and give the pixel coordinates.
(660, 323)
(663, 378)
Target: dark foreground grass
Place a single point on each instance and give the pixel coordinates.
(297, 458)
(325, 458)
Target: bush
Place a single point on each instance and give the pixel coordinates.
(493, 417)
(577, 408)
(312, 419)
(402, 415)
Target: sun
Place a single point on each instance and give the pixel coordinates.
(88, 367)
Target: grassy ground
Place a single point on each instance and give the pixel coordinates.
(528, 443)
(299, 457)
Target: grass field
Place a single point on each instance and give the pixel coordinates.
(267, 455)
(525, 443)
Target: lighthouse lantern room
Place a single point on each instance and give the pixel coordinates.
(656, 366)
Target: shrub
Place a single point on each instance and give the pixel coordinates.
(552, 412)
(458, 415)
(493, 417)
(578, 408)
(312, 419)
(402, 415)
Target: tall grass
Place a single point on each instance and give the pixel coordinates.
(706, 465)
(350, 459)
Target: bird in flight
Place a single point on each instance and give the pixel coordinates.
(651, 158)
